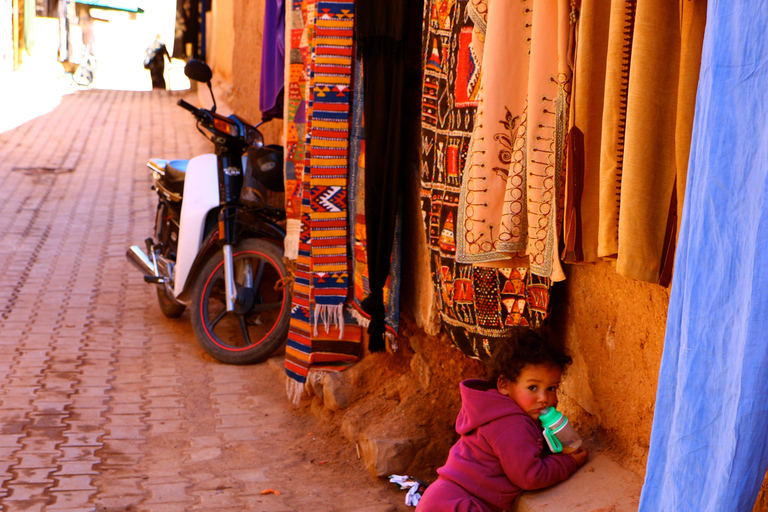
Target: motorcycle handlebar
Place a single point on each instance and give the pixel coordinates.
(188, 106)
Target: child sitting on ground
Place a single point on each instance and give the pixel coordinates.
(501, 451)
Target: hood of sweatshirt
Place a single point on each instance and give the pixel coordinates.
(482, 403)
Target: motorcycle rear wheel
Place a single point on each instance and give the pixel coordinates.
(169, 308)
(259, 324)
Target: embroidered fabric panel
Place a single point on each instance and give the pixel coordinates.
(510, 209)
(478, 306)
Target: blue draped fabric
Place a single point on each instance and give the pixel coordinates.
(709, 444)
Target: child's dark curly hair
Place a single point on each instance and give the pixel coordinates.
(529, 346)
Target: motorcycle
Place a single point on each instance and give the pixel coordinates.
(81, 69)
(83, 74)
(217, 245)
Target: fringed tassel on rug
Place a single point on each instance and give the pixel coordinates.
(330, 315)
(389, 338)
(291, 243)
(358, 317)
(391, 341)
(294, 389)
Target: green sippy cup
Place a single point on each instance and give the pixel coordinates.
(560, 435)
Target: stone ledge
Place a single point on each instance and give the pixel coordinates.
(600, 485)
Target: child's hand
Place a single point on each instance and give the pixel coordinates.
(580, 456)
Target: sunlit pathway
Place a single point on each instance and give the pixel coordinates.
(105, 404)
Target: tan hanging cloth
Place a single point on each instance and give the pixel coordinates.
(622, 21)
(549, 82)
(666, 56)
(587, 119)
(632, 135)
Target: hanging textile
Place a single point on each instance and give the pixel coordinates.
(295, 123)
(614, 123)
(85, 22)
(272, 61)
(187, 30)
(589, 87)
(357, 225)
(634, 88)
(327, 158)
(709, 450)
(28, 11)
(478, 306)
(388, 37)
(321, 336)
(508, 210)
(65, 41)
(666, 55)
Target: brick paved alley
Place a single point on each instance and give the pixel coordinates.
(106, 405)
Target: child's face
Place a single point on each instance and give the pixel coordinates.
(535, 388)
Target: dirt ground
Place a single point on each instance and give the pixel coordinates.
(310, 465)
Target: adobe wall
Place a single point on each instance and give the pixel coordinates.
(222, 40)
(248, 24)
(614, 327)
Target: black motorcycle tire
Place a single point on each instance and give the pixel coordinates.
(237, 341)
(169, 308)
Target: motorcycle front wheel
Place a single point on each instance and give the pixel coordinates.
(259, 324)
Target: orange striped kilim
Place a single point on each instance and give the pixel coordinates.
(319, 336)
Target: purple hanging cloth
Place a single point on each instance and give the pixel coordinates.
(272, 61)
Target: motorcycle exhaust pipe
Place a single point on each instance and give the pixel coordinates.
(136, 256)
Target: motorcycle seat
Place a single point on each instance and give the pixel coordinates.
(175, 170)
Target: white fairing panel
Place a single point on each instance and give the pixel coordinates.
(201, 194)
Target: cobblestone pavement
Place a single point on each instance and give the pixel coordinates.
(104, 403)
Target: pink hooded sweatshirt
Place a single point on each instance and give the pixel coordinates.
(498, 455)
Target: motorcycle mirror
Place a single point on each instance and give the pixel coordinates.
(198, 71)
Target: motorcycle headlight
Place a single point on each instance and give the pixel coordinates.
(266, 166)
(253, 137)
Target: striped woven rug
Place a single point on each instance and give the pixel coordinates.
(320, 337)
